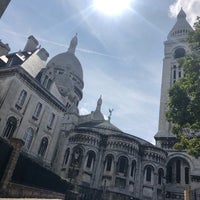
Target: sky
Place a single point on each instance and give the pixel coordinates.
(121, 55)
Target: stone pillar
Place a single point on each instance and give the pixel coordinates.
(17, 145)
(99, 169)
(155, 185)
(114, 163)
(187, 192)
(128, 176)
(79, 178)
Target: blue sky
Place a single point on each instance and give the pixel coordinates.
(121, 55)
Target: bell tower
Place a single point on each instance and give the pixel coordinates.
(175, 47)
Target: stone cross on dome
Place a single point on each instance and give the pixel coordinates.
(73, 44)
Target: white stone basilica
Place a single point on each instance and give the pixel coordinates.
(39, 104)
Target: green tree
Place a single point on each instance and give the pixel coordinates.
(184, 98)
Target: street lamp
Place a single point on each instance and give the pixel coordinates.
(163, 187)
(104, 190)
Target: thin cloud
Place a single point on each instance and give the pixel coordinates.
(99, 53)
(63, 45)
(84, 111)
(14, 33)
(191, 8)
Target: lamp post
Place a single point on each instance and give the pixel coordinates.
(163, 188)
(104, 191)
(74, 164)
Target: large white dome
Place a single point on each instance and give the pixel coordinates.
(69, 62)
(66, 71)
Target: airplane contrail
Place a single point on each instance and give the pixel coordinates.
(64, 45)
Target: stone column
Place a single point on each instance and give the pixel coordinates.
(68, 163)
(99, 169)
(128, 175)
(114, 163)
(155, 185)
(17, 145)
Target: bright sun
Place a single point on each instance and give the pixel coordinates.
(111, 7)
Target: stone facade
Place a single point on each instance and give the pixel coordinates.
(39, 105)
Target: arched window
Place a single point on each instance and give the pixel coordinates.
(169, 174)
(77, 157)
(133, 169)
(43, 147)
(10, 127)
(21, 99)
(148, 173)
(90, 160)
(28, 137)
(66, 156)
(76, 163)
(51, 120)
(122, 165)
(37, 111)
(108, 162)
(160, 176)
(178, 171)
(180, 52)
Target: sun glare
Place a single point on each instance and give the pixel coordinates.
(111, 7)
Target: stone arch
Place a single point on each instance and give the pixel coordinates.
(148, 173)
(122, 165)
(133, 169)
(77, 155)
(178, 171)
(10, 127)
(160, 175)
(108, 162)
(183, 156)
(91, 157)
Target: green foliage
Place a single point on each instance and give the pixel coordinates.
(194, 37)
(193, 147)
(184, 98)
